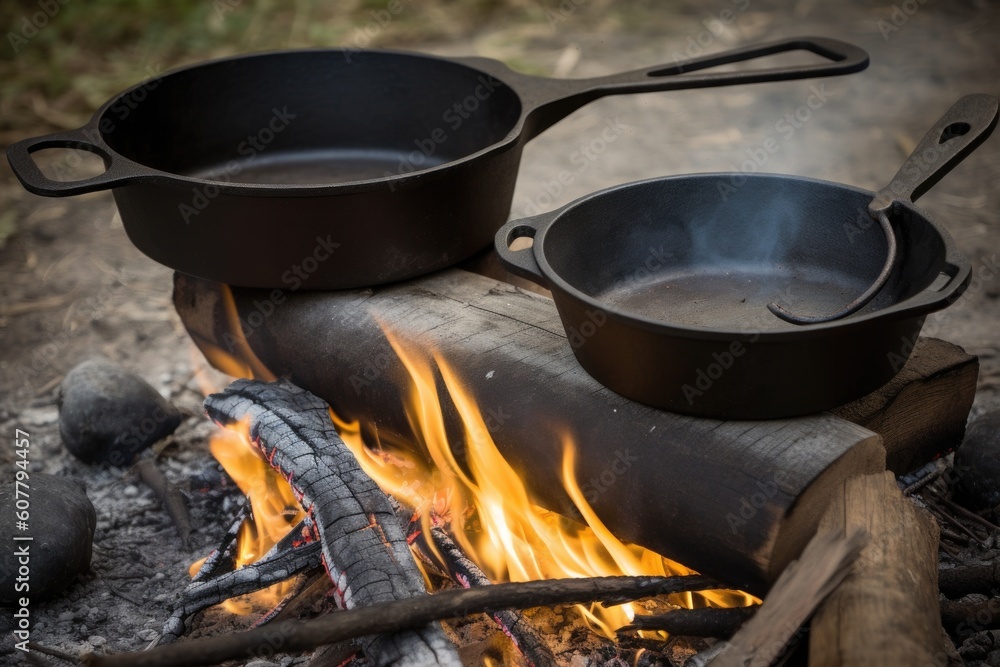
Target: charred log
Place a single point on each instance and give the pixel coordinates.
(718, 622)
(363, 546)
(957, 582)
(467, 574)
(282, 562)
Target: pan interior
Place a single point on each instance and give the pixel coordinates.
(699, 251)
(311, 117)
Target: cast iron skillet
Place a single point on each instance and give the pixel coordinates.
(663, 285)
(332, 169)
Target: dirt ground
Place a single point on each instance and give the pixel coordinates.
(72, 286)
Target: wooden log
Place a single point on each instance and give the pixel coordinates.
(772, 632)
(734, 500)
(921, 412)
(886, 611)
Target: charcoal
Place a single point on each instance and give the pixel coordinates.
(61, 522)
(109, 415)
(978, 462)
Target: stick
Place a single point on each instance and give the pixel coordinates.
(170, 497)
(719, 622)
(415, 612)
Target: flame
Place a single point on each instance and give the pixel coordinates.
(273, 507)
(491, 513)
(489, 510)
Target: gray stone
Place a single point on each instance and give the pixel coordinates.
(61, 522)
(108, 415)
(977, 462)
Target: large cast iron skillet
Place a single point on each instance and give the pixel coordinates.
(336, 168)
(663, 285)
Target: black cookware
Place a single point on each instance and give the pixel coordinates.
(663, 286)
(334, 169)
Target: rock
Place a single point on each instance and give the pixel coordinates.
(61, 521)
(977, 462)
(109, 415)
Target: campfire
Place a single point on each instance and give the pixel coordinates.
(421, 460)
(472, 520)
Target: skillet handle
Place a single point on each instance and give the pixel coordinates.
(523, 262)
(960, 131)
(119, 170)
(844, 59)
(550, 100)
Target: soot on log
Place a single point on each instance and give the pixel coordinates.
(62, 522)
(109, 415)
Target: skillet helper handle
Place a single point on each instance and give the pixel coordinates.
(960, 131)
(523, 262)
(844, 59)
(118, 169)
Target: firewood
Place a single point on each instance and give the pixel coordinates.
(886, 611)
(511, 621)
(281, 562)
(919, 414)
(963, 618)
(799, 590)
(922, 411)
(169, 495)
(957, 582)
(741, 499)
(363, 546)
(400, 615)
(719, 622)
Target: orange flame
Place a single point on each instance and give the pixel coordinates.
(492, 515)
(272, 503)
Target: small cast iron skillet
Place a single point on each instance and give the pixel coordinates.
(663, 285)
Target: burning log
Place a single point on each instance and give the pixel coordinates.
(283, 561)
(740, 499)
(402, 615)
(886, 611)
(363, 547)
(467, 574)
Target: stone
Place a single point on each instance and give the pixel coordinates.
(109, 415)
(61, 521)
(977, 462)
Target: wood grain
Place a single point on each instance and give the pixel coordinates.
(886, 612)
